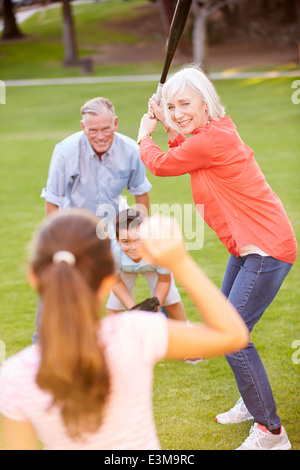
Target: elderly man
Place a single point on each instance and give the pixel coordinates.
(91, 168)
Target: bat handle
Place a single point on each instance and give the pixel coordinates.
(158, 96)
(158, 93)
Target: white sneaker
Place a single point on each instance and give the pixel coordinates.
(261, 439)
(193, 360)
(237, 414)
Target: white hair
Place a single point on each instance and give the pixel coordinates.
(97, 106)
(194, 78)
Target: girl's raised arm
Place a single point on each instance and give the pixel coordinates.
(222, 330)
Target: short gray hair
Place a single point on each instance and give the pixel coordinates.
(195, 78)
(97, 106)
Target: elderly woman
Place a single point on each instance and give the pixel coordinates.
(246, 215)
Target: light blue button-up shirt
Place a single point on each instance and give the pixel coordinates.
(78, 178)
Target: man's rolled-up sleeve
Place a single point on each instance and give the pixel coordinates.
(138, 182)
(55, 190)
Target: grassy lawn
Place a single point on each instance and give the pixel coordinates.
(34, 119)
(186, 398)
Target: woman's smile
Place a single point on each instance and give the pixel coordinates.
(188, 111)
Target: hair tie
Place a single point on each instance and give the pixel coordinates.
(65, 256)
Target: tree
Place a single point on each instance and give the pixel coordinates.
(11, 29)
(69, 35)
(199, 31)
(202, 10)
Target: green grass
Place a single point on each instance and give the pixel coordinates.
(40, 54)
(186, 398)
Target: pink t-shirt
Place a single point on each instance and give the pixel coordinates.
(132, 343)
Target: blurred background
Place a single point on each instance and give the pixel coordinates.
(89, 36)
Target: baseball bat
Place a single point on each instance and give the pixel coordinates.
(176, 30)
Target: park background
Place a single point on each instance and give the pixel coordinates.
(117, 39)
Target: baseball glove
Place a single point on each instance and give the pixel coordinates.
(149, 305)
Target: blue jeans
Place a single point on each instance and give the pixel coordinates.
(251, 283)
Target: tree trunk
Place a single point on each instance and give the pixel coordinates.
(69, 36)
(199, 32)
(10, 30)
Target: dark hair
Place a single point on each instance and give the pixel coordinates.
(128, 219)
(72, 364)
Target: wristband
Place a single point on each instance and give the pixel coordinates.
(145, 135)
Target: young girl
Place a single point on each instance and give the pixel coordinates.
(88, 384)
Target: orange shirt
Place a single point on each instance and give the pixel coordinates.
(239, 204)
